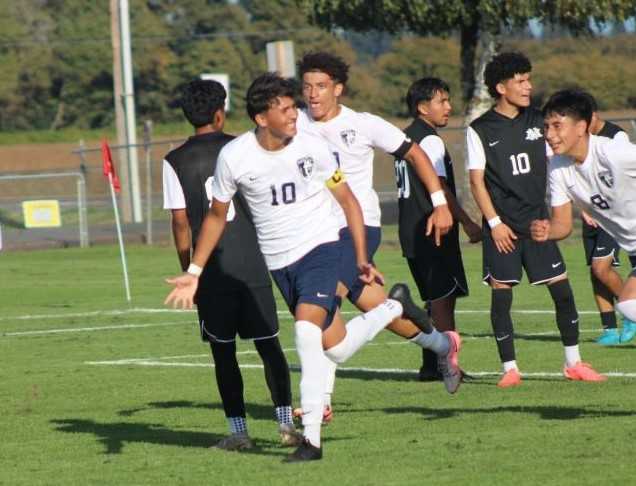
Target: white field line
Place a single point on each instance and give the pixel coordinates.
(393, 371)
(142, 310)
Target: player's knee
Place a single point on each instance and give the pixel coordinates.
(561, 293)
(337, 354)
(628, 309)
(501, 302)
(601, 269)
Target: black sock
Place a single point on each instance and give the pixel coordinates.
(501, 302)
(228, 378)
(608, 320)
(429, 360)
(566, 316)
(276, 370)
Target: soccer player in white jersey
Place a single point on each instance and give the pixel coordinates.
(597, 174)
(602, 253)
(353, 136)
(291, 184)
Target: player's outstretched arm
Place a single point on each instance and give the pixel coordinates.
(185, 285)
(355, 221)
(441, 220)
(502, 235)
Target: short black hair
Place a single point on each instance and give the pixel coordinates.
(591, 99)
(201, 99)
(264, 90)
(423, 90)
(330, 64)
(504, 66)
(570, 102)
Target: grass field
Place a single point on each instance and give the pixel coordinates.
(93, 391)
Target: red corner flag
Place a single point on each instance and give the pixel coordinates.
(108, 166)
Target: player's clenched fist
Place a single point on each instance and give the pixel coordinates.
(185, 287)
(540, 229)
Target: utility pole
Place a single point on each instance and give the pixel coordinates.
(120, 122)
(123, 58)
(129, 108)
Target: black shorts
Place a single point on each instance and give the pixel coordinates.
(249, 312)
(599, 244)
(632, 260)
(438, 271)
(541, 261)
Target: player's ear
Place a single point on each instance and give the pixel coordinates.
(219, 119)
(261, 120)
(501, 89)
(581, 127)
(422, 109)
(338, 89)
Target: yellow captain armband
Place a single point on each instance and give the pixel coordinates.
(336, 179)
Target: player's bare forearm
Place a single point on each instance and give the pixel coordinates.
(423, 168)
(480, 193)
(211, 231)
(453, 205)
(561, 222)
(355, 219)
(182, 236)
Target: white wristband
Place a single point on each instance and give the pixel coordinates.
(438, 198)
(194, 270)
(494, 222)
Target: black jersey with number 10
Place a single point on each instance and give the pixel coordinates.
(237, 259)
(516, 166)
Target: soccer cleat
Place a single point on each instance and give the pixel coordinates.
(628, 332)
(582, 372)
(289, 436)
(448, 365)
(420, 317)
(609, 337)
(235, 442)
(510, 378)
(305, 452)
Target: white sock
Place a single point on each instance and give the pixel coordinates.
(362, 329)
(435, 341)
(572, 355)
(312, 378)
(628, 309)
(510, 365)
(330, 380)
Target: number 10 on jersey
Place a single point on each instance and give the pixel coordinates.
(520, 163)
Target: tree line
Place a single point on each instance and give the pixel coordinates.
(57, 58)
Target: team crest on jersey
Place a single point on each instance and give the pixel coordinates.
(606, 178)
(348, 137)
(305, 166)
(533, 133)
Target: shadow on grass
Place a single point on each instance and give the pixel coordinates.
(518, 336)
(115, 435)
(552, 412)
(252, 410)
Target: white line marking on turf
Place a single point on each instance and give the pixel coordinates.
(143, 310)
(393, 371)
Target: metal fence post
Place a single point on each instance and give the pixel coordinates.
(82, 201)
(147, 151)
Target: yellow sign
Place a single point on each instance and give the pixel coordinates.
(41, 214)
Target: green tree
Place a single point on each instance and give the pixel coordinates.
(475, 21)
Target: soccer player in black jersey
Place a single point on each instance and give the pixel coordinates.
(235, 292)
(508, 175)
(601, 252)
(437, 270)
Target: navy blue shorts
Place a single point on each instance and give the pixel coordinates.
(312, 280)
(348, 267)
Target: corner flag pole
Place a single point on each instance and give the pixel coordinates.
(115, 186)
